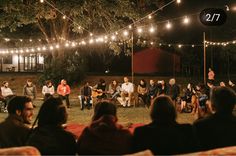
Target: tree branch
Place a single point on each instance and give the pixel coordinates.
(42, 29)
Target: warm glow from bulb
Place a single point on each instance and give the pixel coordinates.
(130, 26)
(44, 48)
(151, 30)
(178, 1)
(41, 1)
(126, 33)
(180, 46)
(67, 44)
(38, 48)
(51, 48)
(91, 41)
(57, 46)
(73, 44)
(64, 17)
(193, 45)
(113, 37)
(186, 20)
(168, 25)
(140, 30)
(149, 17)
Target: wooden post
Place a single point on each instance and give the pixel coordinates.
(204, 57)
(18, 62)
(132, 57)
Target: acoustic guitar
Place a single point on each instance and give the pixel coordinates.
(97, 92)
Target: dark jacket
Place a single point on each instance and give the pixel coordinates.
(173, 91)
(104, 136)
(215, 131)
(13, 132)
(52, 140)
(152, 90)
(86, 91)
(164, 139)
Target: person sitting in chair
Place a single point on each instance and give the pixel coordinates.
(127, 89)
(114, 89)
(100, 89)
(6, 94)
(48, 90)
(86, 93)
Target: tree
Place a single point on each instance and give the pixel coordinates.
(65, 20)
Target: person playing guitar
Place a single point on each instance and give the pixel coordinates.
(99, 90)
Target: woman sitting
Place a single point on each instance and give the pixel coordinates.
(104, 136)
(164, 136)
(49, 137)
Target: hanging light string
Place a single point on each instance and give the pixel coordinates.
(7, 39)
(224, 43)
(66, 17)
(91, 40)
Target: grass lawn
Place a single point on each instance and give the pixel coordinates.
(125, 115)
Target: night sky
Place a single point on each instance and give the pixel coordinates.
(193, 32)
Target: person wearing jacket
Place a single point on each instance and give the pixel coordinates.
(104, 136)
(63, 90)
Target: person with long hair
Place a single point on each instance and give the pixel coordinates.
(114, 89)
(104, 136)
(142, 91)
(48, 90)
(49, 137)
(164, 135)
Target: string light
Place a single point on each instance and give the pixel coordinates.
(41, 1)
(64, 17)
(180, 46)
(57, 46)
(149, 16)
(130, 26)
(168, 25)
(178, 1)
(151, 30)
(113, 37)
(186, 20)
(91, 41)
(140, 30)
(125, 33)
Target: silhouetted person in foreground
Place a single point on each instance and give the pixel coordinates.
(164, 135)
(218, 130)
(104, 136)
(49, 137)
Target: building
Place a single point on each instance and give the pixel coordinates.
(21, 62)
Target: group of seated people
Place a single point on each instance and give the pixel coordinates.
(29, 89)
(124, 93)
(104, 135)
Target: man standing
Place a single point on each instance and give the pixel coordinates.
(127, 89)
(63, 90)
(86, 93)
(15, 129)
(211, 76)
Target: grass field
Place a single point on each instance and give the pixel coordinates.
(125, 115)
